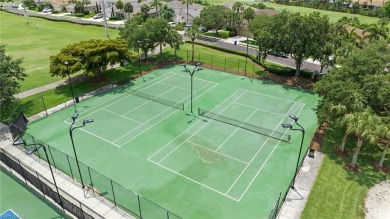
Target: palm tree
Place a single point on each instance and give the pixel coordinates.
(193, 33)
(364, 125)
(237, 7)
(386, 138)
(145, 10)
(375, 32)
(156, 3)
(187, 2)
(119, 6)
(166, 12)
(128, 8)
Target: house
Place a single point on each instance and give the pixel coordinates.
(181, 11)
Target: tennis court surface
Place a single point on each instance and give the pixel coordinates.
(230, 158)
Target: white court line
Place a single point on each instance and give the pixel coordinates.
(246, 189)
(96, 135)
(122, 116)
(257, 152)
(238, 128)
(274, 97)
(147, 120)
(160, 82)
(124, 94)
(225, 155)
(184, 75)
(186, 177)
(147, 101)
(259, 109)
(190, 126)
(168, 115)
(196, 131)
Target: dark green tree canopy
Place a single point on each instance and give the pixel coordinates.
(11, 73)
(91, 56)
(214, 17)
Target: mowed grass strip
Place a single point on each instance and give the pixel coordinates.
(39, 40)
(338, 192)
(333, 15)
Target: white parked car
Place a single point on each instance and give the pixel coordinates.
(97, 16)
(46, 10)
(172, 24)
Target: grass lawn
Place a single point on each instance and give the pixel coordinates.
(35, 45)
(333, 15)
(338, 192)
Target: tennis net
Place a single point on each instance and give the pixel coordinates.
(154, 98)
(244, 125)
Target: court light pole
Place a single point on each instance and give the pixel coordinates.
(289, 126)
(70, 84)
(71, 128)
(195, 69)
(139, 58)
(34, 149)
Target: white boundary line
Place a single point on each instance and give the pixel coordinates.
(188, 128)
(274, 96)
(186, 177)
(96, 136)
(168, 114)
(238, 128)
(160, 82)
(197, 130)
(104, 109)
(261, 147)
(259, 109)
(217, 152)
(253, 179)
(147, 101)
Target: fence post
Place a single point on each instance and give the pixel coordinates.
(24, 177)
(70, 168)
(238, 70)
(167, 215)
(224, 66)
(113, 193)
(44, 105)
(139, 204)
(199, 57)
(40, 184)
(6, 161)
(90, 178)
(51, 155)
(211, 61)
(253, 69)
(187, 55)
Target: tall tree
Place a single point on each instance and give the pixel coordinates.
(187, 2)
(166, 12)
(92, 56)
(376, 32)
(213, 17)
(128, 8)
(266, 40)
(11, 73)
(174, 39)
(193, 33)
(157, 4)
(238, 7)
(364, 125)
(386, 138)
(160, 33)
(119, 5)
(145, 11)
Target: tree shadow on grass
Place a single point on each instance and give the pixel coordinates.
(367, 175)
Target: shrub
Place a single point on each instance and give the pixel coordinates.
(79, 14)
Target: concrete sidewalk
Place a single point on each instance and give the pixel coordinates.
(101, 207)
(296, 199)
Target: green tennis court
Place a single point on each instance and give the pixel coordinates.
(229, 159)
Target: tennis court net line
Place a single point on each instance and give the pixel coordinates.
(244, 125)
(154, 98)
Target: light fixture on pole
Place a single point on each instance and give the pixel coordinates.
(71, 128)
(289, 126)
(197, 68)
(34, 149)
(71, 87)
